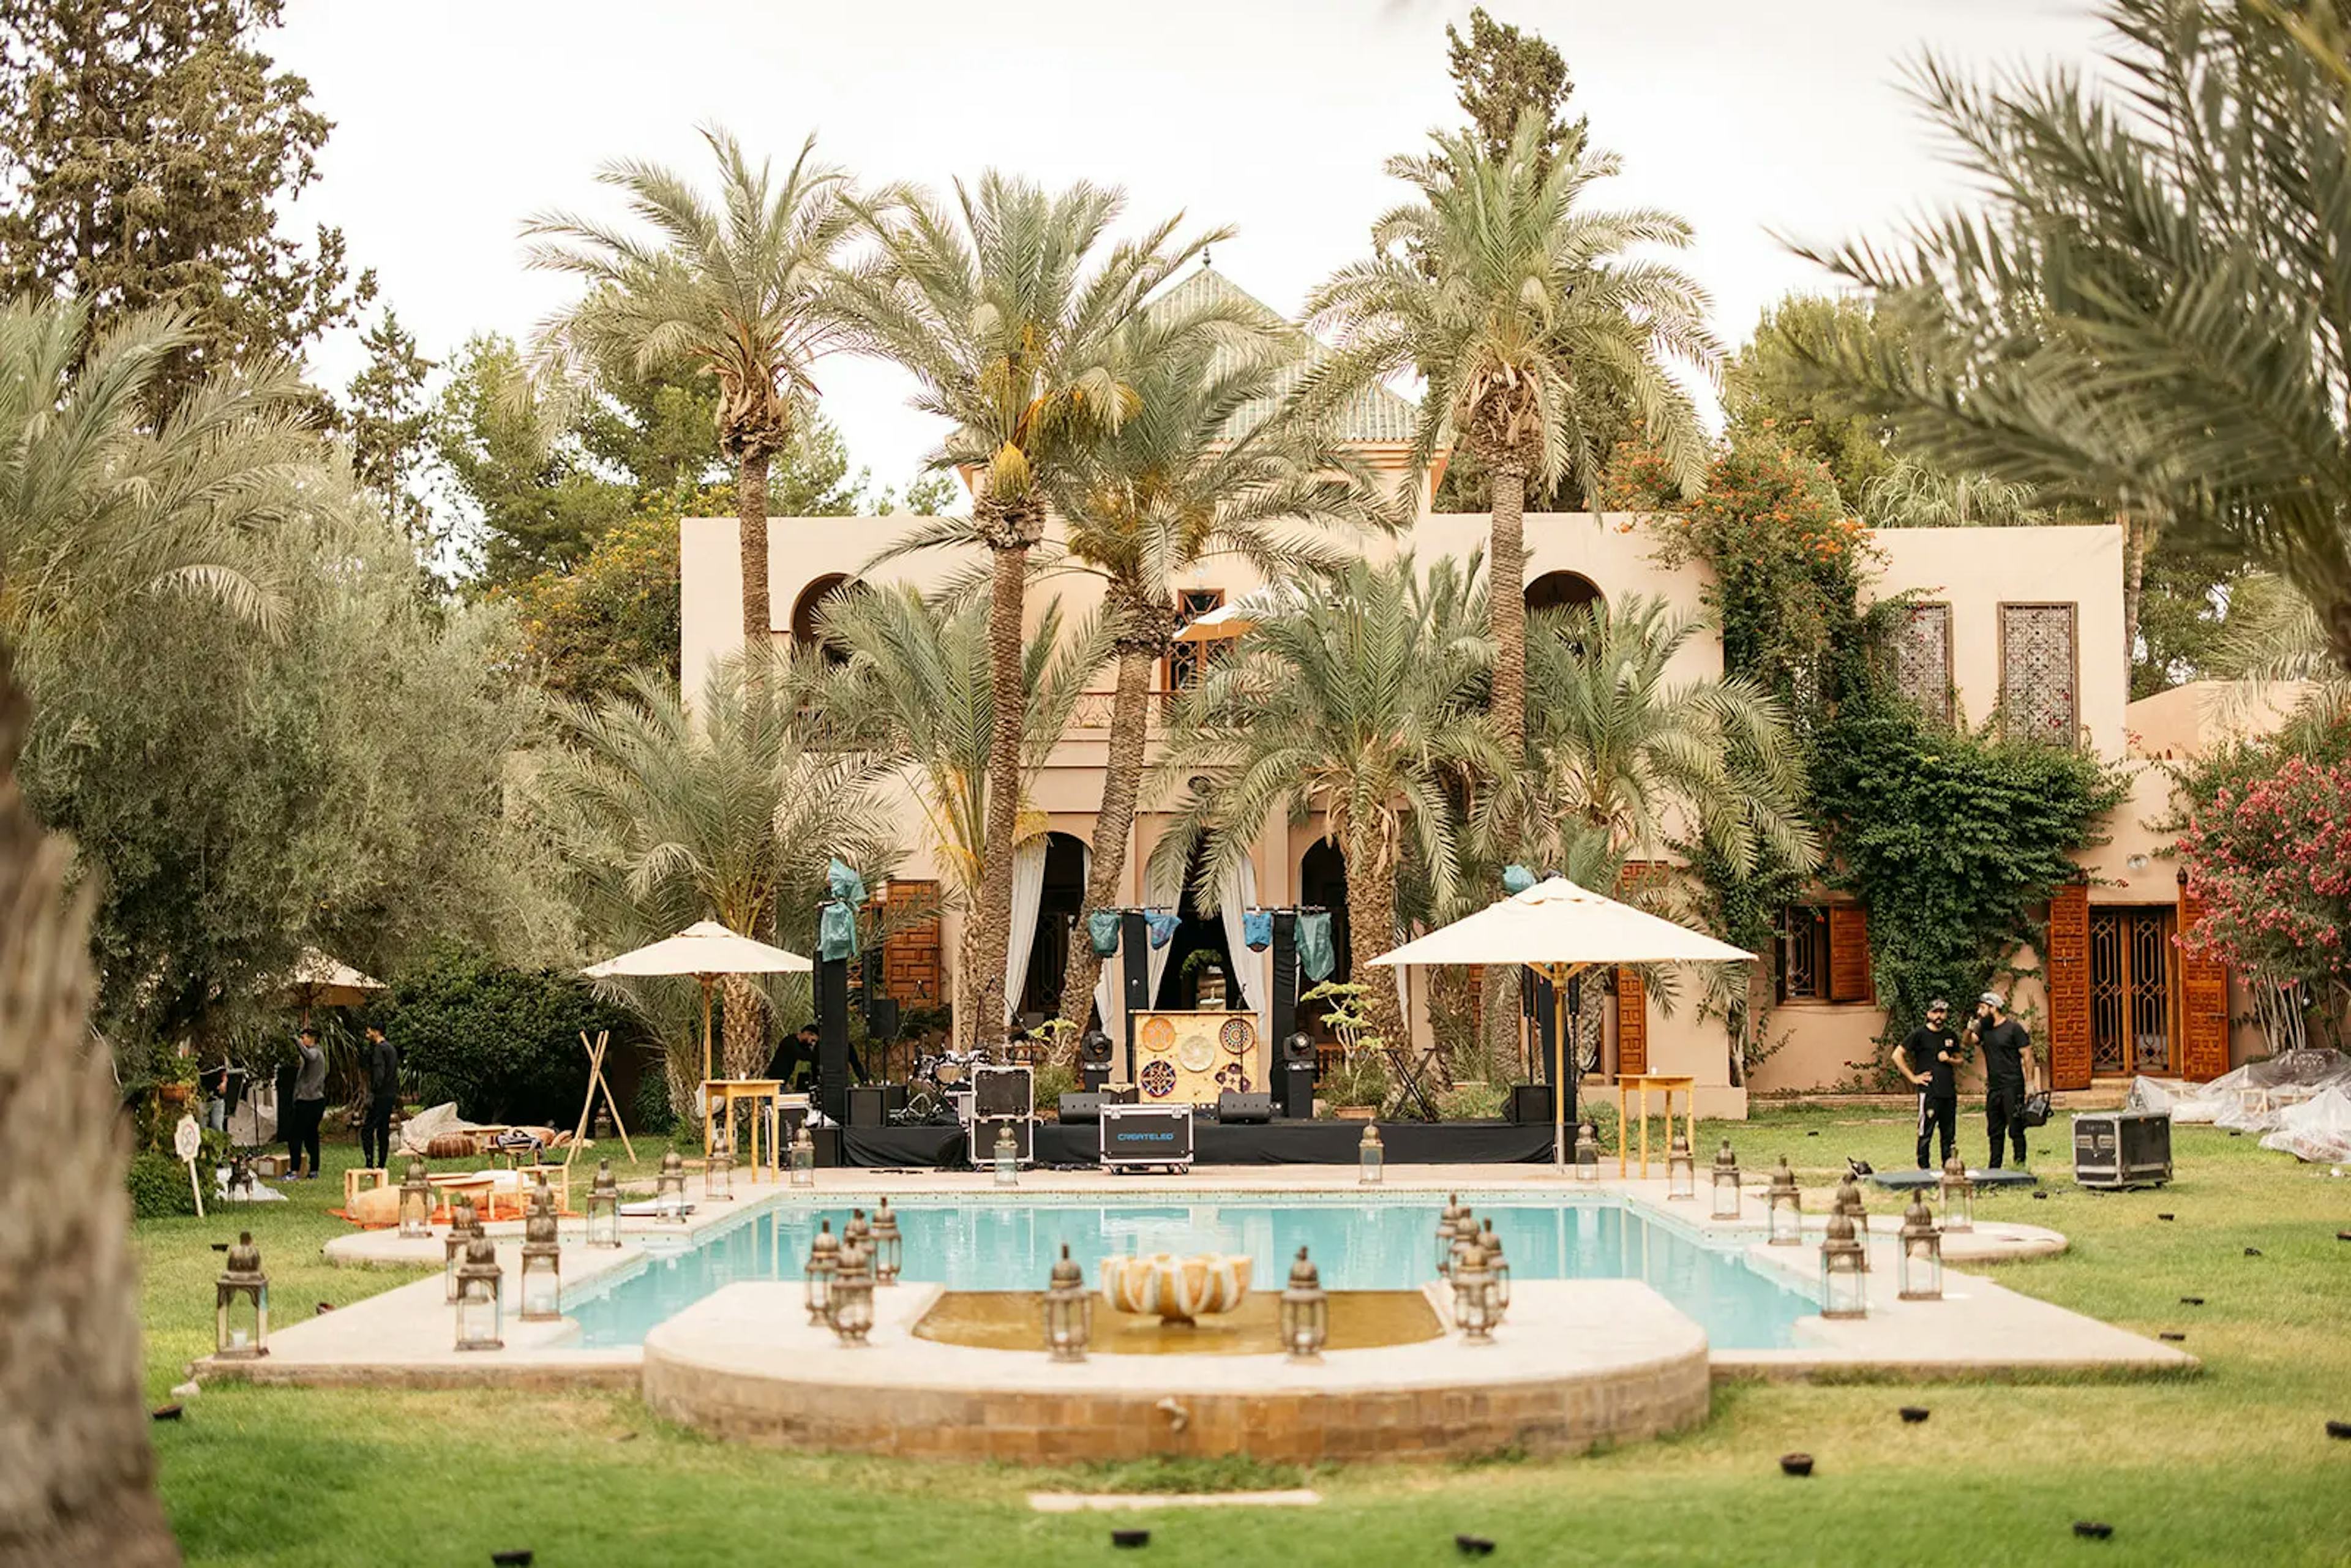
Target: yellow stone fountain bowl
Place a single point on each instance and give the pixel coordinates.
(1175, 1290)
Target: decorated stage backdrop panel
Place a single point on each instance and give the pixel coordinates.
(1190, 1057)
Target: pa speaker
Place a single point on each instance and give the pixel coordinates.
(1298, 1092)
(1093, 1080)
(868, 1105)
(1003, 1091)
(1297, 1049)
(882, 1018)
(1530, 1104)
(1243, 1108)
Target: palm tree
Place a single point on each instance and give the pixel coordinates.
(1208, 465)
(737, 289)
(917, 692)
(1533, 333)
(730, 809)
(1006, 310)
(1626, 763)
(1364, 702)
(101, 504)
(2146, 315)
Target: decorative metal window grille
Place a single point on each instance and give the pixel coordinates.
(1803, 954)
(2130, 989)
(1186, 662)
(2039, 676)
(1922, 659)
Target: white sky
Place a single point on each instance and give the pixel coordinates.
(455, 121)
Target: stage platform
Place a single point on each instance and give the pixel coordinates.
(1216, 1144)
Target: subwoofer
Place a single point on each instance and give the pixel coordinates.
(868, 1105)
(1530, 1104)
(1232, 1108)
(1298, 1092)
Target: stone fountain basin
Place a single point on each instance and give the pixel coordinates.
(1012, 1320)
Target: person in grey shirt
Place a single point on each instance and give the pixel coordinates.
(309, 1106)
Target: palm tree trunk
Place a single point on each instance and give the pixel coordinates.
(1506, 606)
(746, 1051)
(1130, 730)
(1371, 931)
(2138, 538)
(83, 1484)
(1005, 605)
(751, 515)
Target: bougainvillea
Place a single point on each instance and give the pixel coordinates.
(2271, 859)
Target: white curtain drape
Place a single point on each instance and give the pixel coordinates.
(1028, 895)
(1237, 894)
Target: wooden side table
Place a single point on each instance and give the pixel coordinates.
(1667, 1084)
(359, 1177)
(726, 1092)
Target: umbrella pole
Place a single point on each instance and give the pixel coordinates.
(705, 1027)
(1558, 1076)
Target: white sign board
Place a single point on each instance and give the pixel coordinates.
(188, 1141)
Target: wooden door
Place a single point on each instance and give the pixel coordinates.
(2131, 1016)
(2068, 961)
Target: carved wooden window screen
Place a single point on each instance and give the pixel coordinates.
(2040, 677)
(1922, 659)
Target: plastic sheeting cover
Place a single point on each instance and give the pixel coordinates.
(2254, 1098)
(2318, 1129)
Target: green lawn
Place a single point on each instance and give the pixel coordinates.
(2233, 1464)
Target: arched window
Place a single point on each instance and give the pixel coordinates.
(807, 610)
(1563, 590)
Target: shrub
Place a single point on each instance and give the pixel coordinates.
(504, 1043)
(655, 1115)
(159, 1186)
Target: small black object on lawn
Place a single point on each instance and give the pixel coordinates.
(1812, 1135)
(1796, 1464)
(1130, 1538)
(2040, 1197)
(2191, 1300)
(165, 1412)
(2343, 1235)
(2174, 1335)
(2338, 1429)
(2164, 1216)
(2253, 1251)
(518, 1557)
(325, 1307)
(2091, 1529)
(1474, 1545)
(2236, 1132)
(220, 1246)
(1913, 1414)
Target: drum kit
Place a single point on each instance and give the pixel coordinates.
(938, 1079)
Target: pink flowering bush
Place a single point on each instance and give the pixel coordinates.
(2271, 859)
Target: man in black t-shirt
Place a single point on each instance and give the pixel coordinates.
(1929, 1057)
(2008, 1073)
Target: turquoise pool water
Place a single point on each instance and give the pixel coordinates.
(1390, 1244)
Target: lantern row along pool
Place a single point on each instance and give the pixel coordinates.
(1379, 1244)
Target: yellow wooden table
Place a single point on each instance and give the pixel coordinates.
(728, 1093)
(1669, 1084)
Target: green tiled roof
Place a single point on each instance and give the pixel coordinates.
(1375, 414)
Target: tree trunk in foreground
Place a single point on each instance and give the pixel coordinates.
(751, 517)
(1010, 693)
(1371, 931)
(1130, 730)
(76, 1474)
(743, 1051)
(1506, 607)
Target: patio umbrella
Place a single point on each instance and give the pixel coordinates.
(1559, 930)
(706, 950)
(1242, 614)
(319, 981)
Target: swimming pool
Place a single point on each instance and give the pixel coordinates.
(997, 1244)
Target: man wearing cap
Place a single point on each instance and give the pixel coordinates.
(1929, 1057)
(2008, 1073)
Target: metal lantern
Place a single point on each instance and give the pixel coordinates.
(415, 1204)
(1681, 1168)
(463, 1226)
(1786, 1206)
(1587, 1152)
(1726, 1183)
(857, 1234)
(803, 1156)
(1473, 1298)
(1920, 1271)
(1499, 1267)
(669, 1190)
(889, 1246)
(1845, 1271)
(850, 1309)
(541, 1287)
(481, 1308)
(1007, 1156)
(1069, 1310)
(605, 1207)
(1371, 1158)
(718, 1172)
(1465, 1235)
(823, 1263)
(1305, 1312)
(1445, 1222)
(1958, 1197)
(1848, 1203)
(241, 1304)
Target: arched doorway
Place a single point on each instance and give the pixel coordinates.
(1323, 883)
(808, 612)
(1563, 590)
(1200, 968)
(1058, 907)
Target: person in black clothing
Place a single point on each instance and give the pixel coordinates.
(308, 1107)
(799, 1051)
(1929, 1057)
(2008, 1073)
(381, 1061)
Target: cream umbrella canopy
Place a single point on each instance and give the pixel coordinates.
(706, 951)
(1559, 930)
(319, 981)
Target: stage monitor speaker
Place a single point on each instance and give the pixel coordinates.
(983, 1138)
(1298, 1048)
(1232, 1108)
(1530, 1104)
(1085, 1108)
(1144, 1135)
(828, 1145)
(868, 1105)
(1004, 1091)
(1298, 1092)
